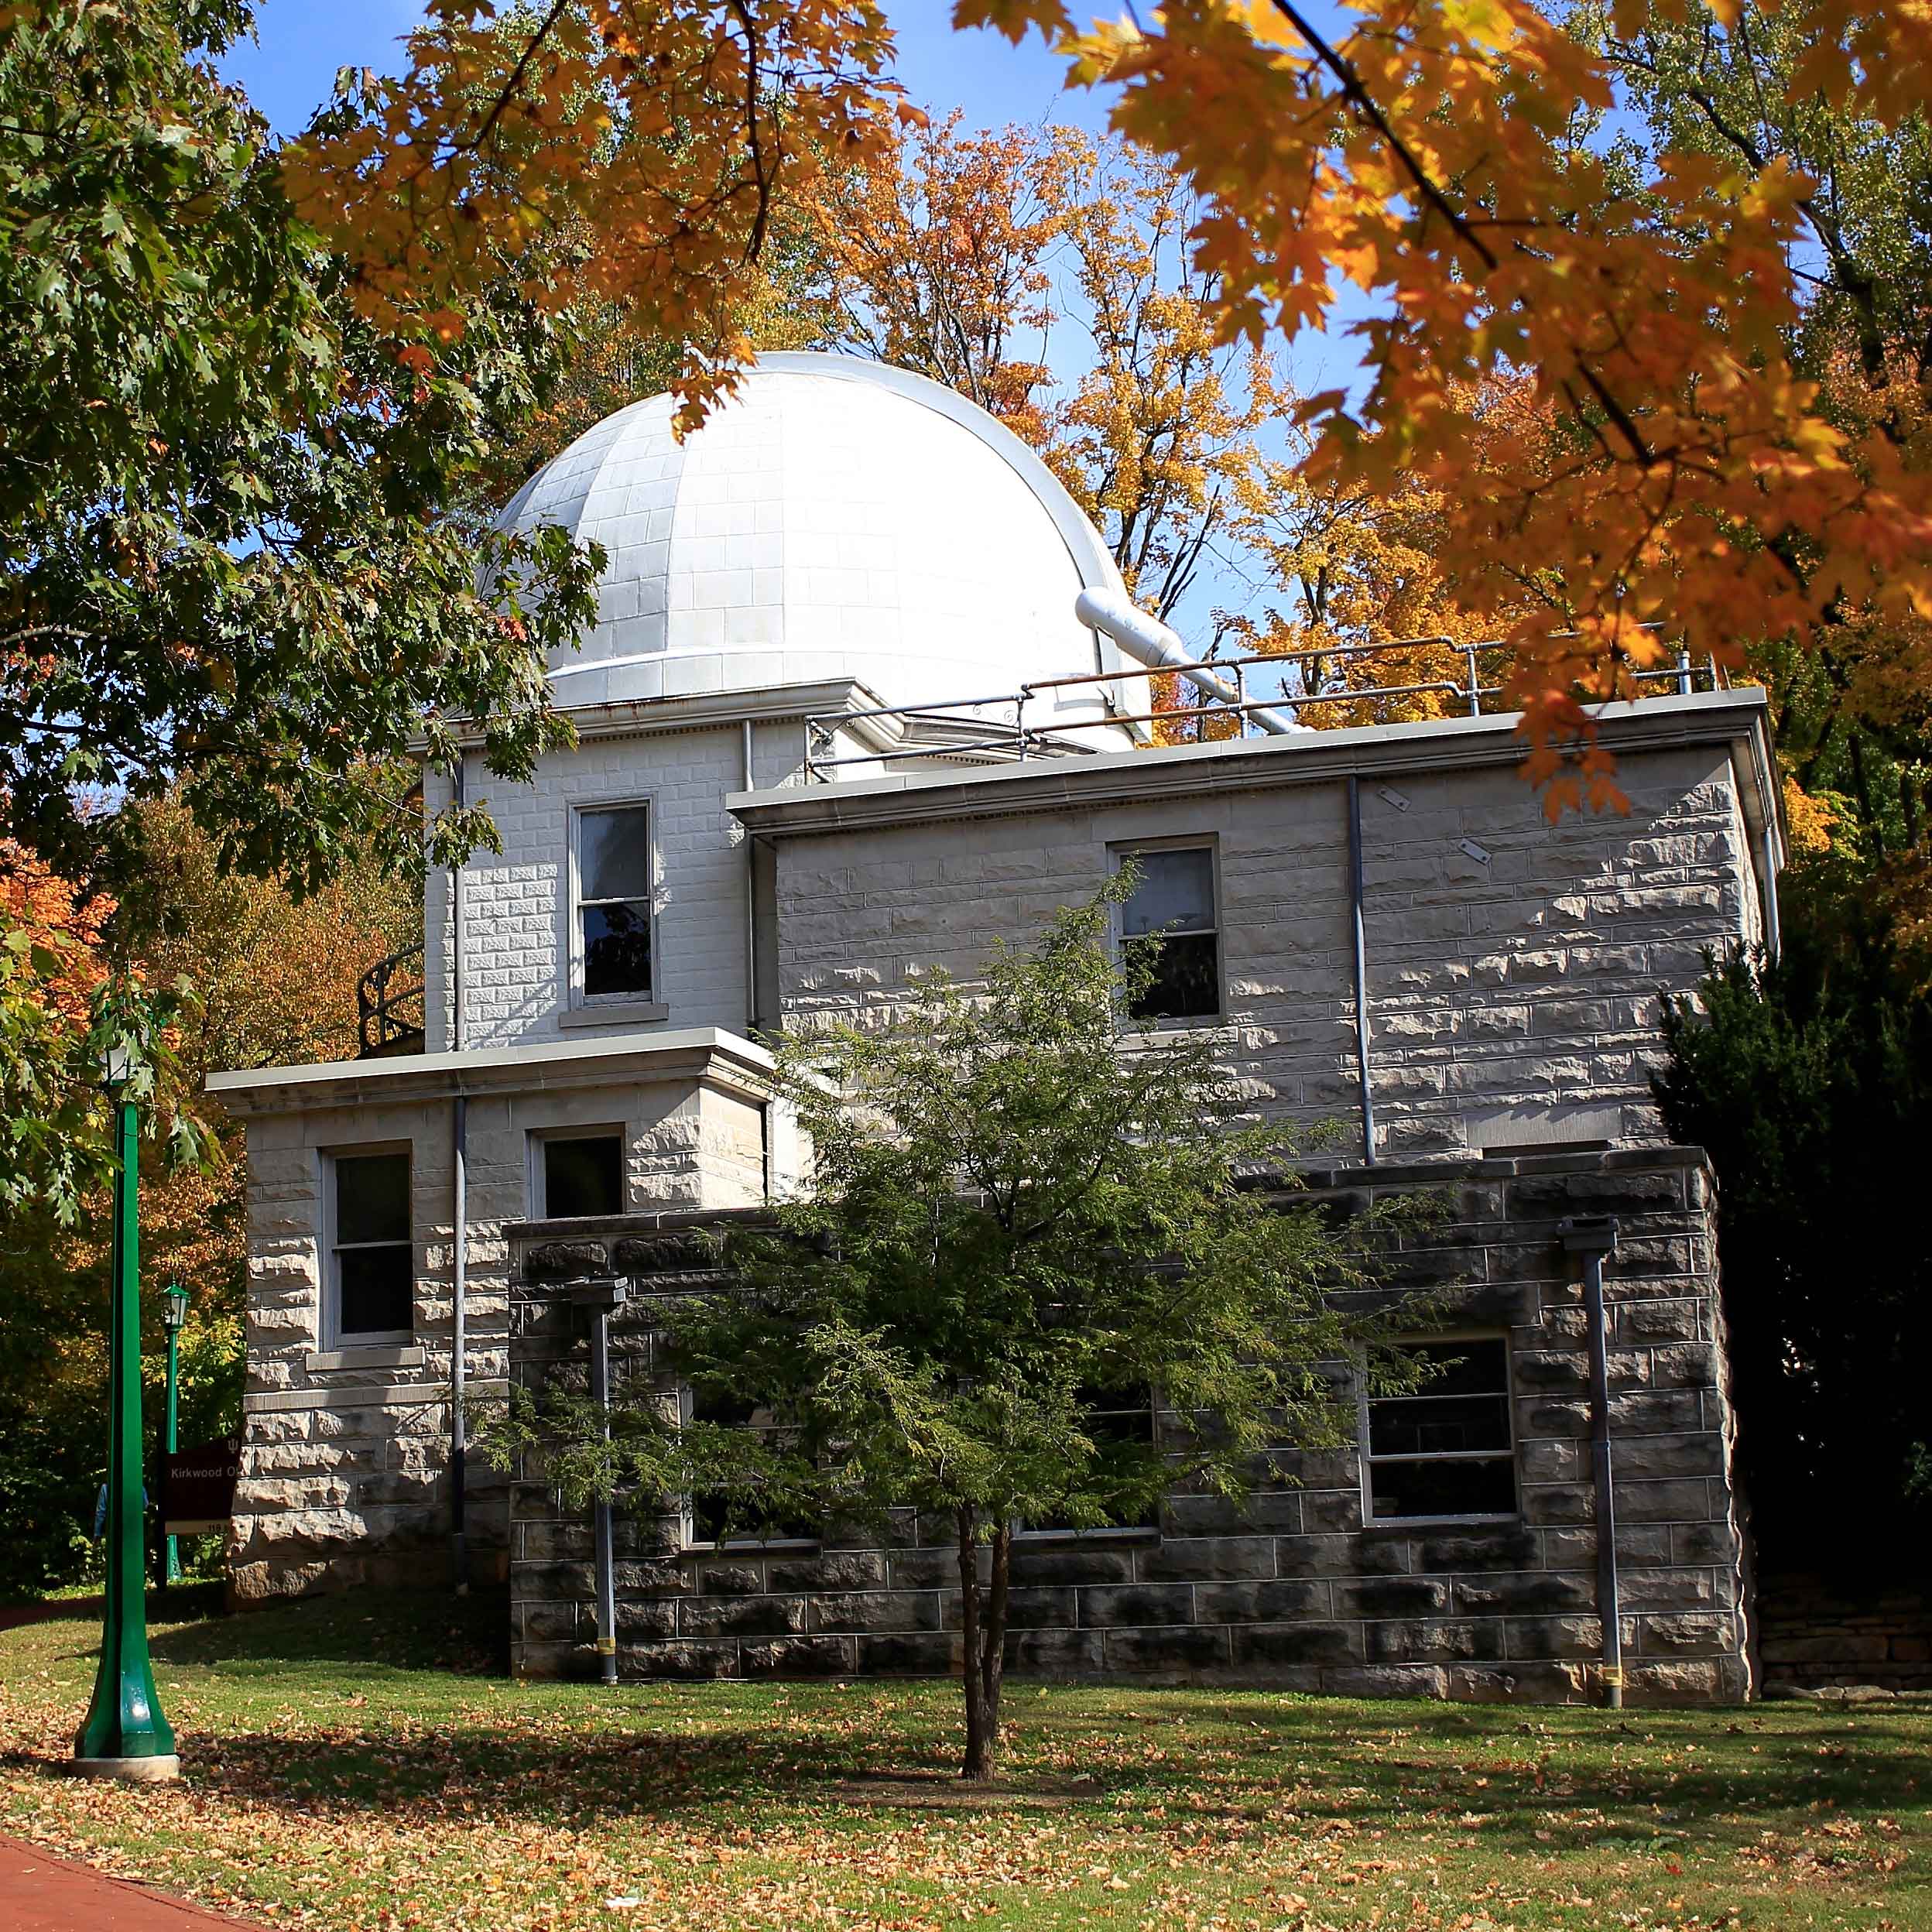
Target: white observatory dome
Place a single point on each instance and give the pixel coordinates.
(835, 519)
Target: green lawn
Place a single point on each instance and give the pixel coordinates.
(353, 1763)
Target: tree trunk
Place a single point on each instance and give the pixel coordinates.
(992, 1634)
(978, 1765)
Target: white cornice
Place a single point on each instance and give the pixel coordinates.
(1453, 744)
(703, 710)
(706, 1055)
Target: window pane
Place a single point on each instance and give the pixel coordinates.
(375, 1291)
(614, 853)
(1120, 1425)
(1176, 889)
(1186, 979)
(1466, 1368)
(1486, 1488)
(583, 1177)
(1439, 1425)
(716, 1517)
(372, 1197)
(617, 949)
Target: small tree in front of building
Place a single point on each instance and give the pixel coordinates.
(1033, 1282)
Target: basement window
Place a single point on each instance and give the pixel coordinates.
(371, 1261)
(1446, 1451)
(1122, 1419)
(578, 1175)
(614, 902)
(1171, 918)
(716, 1522)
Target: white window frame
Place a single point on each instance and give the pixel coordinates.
(690, 1544)
(578, 1001)
(540, 1137)
(332, 1334)
(1370, 1519)
(1207, 842)
(1104, 1532)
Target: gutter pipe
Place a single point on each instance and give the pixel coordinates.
(600, 1297)
(1593, 1238)
(1359, 935)
(459, 1237)
(751, 902)
(1148, 641)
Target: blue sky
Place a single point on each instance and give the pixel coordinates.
(299, 44)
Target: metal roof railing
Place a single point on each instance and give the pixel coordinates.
(1021, 738)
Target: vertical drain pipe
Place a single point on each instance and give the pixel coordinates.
(1361, 971)
(1593, 1239)
(459, 1237)
(601, 1297)
(751, 905)
(1773, 938)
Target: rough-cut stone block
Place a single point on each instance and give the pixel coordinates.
(1264, 1645)
(1391, 1597)
(818, 1657)
(1052, 1561)
(876, 1610)
(1433, 1640)
(1273, 1601)
(740, 1616)
(1106, 1607)
(1186, 1647)
(1205, 1558)
(1527, 1591)
(923, 1654)
(1057, 1653)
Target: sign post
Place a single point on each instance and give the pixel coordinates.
(124, 1735)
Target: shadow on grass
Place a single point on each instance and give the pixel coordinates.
(1522, 1784)
(397, 1629)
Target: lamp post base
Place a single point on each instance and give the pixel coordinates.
(130, 1770)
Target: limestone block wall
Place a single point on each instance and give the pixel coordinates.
(516, 903)
(345, 1450)
(1292, 1587)
(1514, 966)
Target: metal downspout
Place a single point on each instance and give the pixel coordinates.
(1361, 942)
(1593, 1239)
(1773, 936)
(751, 905)
(459, 1238)
(600, 1309)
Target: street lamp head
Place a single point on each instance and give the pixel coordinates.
(174, 1307)
(117, 1064)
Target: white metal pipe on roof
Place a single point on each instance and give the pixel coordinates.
(1148, 641)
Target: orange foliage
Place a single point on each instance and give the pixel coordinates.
(46, 916)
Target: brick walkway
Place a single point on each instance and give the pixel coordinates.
(39, 1893)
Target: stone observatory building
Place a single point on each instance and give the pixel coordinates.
(865, 692)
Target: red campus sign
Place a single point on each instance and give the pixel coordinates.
(197, 1487)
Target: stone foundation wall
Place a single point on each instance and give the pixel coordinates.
(1816, 1632)
(1291, 1589)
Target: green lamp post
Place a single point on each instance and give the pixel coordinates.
(124, 1735)
(174, 1314)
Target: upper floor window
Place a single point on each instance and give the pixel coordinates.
(614, 902)
(1173, 899)
(1448, 1450)
(370, 1269)
(578, 1174)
